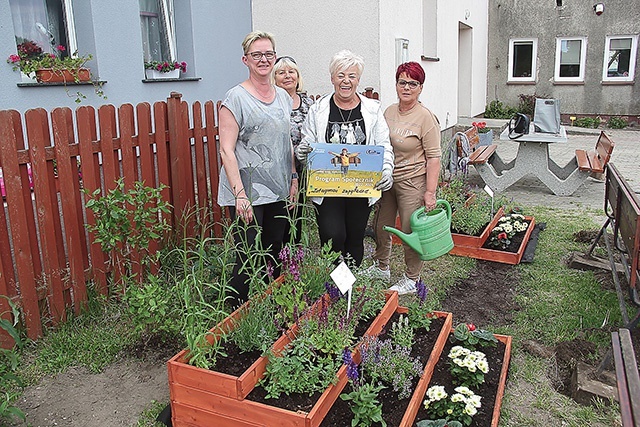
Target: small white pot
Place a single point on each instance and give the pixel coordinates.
(157, 75)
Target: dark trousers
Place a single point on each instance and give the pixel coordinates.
(293, 232)
(271, 218)
(343, 220)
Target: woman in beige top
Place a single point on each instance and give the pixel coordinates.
(415, 136)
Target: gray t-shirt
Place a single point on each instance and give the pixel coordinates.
(263, 148)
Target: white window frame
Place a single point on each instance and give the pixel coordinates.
(534, 58)
(632, 59)
(583, 60)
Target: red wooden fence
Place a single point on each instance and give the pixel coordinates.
(46, 254)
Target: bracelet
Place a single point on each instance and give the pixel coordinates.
(294, 175)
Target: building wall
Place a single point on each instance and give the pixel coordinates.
(209, 36)
(314, 30)
(510, 19)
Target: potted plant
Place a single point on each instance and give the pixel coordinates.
(485, 134)
(161, 70)
(57, 67)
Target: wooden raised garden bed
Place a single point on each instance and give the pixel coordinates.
(204, 397)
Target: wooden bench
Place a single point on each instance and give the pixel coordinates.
(627, 377)
(595, 160)
(478, 154)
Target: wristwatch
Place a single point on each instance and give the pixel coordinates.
(294, 175)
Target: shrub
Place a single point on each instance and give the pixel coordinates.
(587, 122)
(616, 122)
(527, 104)
(498, 110)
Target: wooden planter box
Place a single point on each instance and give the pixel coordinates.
(202, 397)
(461, 242)
(478, 252)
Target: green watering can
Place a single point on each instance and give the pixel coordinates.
(431, 231)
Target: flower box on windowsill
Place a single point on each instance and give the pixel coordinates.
(159, 75)
(50, 75)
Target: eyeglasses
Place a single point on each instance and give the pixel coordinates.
(285, 57)
(268, 55)
(412, 83)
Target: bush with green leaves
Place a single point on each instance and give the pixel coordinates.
(126, 221)
(153, 307)
(9, 362)
(617, 122)
(497, 110)
(257, 329)
(468, 335)
(587, 122)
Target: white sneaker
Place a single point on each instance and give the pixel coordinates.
(375, 272)
(404, 286)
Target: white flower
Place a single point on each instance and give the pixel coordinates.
(464, 390)
(474, 400)
(436, 392)
(483, 366)
(458, 398)
(470, 410)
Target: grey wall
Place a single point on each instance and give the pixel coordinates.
(209, 32)
(510, 19)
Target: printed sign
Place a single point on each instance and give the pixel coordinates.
(344, 170)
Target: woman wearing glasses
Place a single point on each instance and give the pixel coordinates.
(346, 117)
(286, 75)
(415, 136)
(258, 172)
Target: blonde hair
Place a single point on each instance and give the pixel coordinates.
(257, 35)
(287, 62)
(346, 59)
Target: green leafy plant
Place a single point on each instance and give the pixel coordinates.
(419, 307)
(401, 333)
(299, 369)
(257, 330)
(9, 362)
(481, 126)
(460, 406)
(469, 336)
(467, 367)
(616, 122)
(126, 221)
(389, 363)
(587, 122)
(152, 307)
(364, 395)
(497, 110)
(527, 103)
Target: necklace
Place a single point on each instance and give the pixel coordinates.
(342, 115)
(266, 95)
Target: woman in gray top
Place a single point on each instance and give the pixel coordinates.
(258, 173)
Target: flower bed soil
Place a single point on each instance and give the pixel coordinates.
(489, 390)
(393, 410)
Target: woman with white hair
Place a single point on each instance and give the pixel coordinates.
(286, 75)
(344, 117)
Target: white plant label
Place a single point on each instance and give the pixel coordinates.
(344, 280)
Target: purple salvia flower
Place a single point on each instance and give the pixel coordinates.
(332, 290)
(323, 316)
(352, 371)
(270, 270)
(346, 356)
(421, 291)
(284, 254)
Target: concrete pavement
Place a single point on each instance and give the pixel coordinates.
(529, 191)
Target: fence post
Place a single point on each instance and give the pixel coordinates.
(181, 166)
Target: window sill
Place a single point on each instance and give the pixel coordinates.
(430, 58)
(568, 83)
(616, 83)
(36, 84)
(516, 82)
(183, 79)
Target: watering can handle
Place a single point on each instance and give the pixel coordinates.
(441, 202)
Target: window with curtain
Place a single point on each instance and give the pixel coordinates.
(570, 59)
(47, 23)
(158, 30)
(620, 58)
(522, 60)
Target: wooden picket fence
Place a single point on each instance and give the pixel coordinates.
(47, 159)
(47, 256)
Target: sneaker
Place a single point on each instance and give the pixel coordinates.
(375, 272)
(404, 286)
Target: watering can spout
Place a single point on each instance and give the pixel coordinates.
(413, 240)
